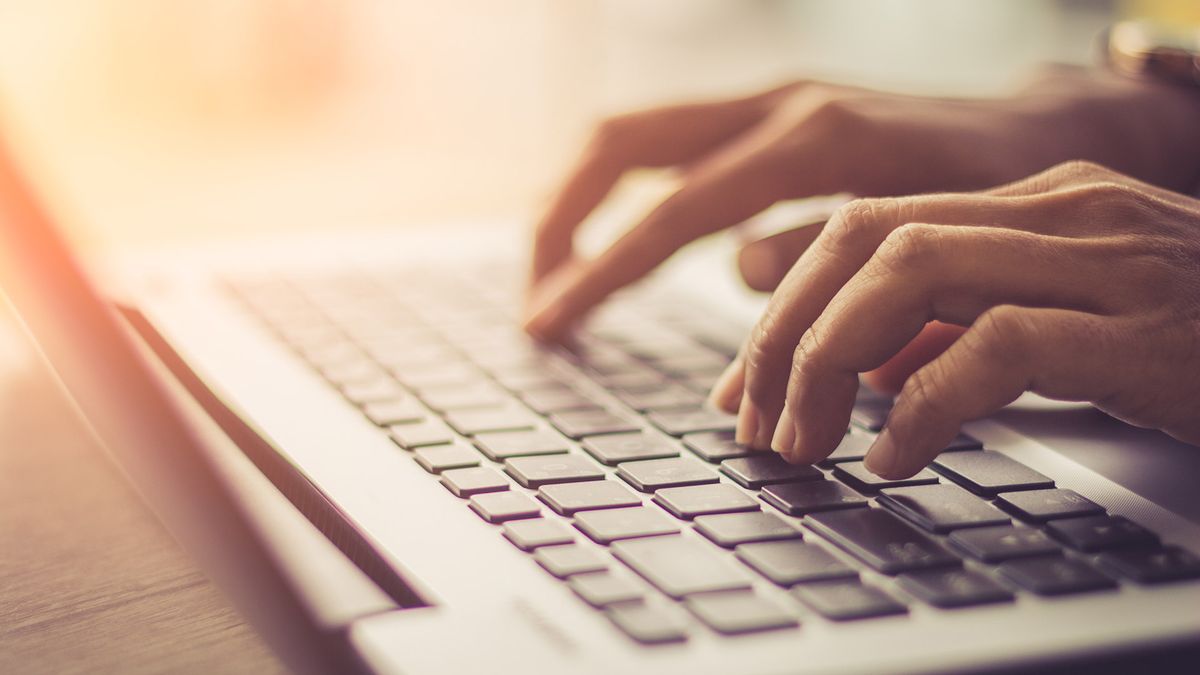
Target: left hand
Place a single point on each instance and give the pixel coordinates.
(1078, 283)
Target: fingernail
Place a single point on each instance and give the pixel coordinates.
(728, 389)
(762, 440)
(543, 320)
(784, 440)
(748, 421)
(881, 458)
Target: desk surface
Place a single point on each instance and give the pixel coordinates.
(89, 581)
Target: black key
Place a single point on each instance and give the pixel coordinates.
(954, 588)
(570, 498)
(398, 411)
(580, 423)
(605, 588)
(648, 624)
(857, 476)
(788, 563)
(533, 472)
(733, 529)
(798, 499)
(1101, 533)
(941, 508)
(530, 534)
(847, 600)
(607, 526)
(989, 473)
(471, 422)
(473, 481)
(616, 448)
(503, 445)
(698, 500)
(767, 468)
(679, 566)
(653, 474)
(997, 544)
(438, 458)
(737, 612)
(557, 399)
(1054, 576)
(853, 448)
(715, 446)
(871, 415)
(680, 422)
(1040, 506)
(565, 561)
(666, 398)
(881, 539)
(498, 507)
(465, 398)
(1152, 566)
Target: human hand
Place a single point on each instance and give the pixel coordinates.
(1078, 283)
(738, 157)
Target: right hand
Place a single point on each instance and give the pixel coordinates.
(740, 156)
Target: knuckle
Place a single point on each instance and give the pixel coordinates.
(1001, 334)
(924, 390)
(861, 223)
(909, 247)
(1079, 170)
(838, 114)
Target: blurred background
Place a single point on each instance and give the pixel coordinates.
(153, 120)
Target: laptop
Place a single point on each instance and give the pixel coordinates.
(354, 439)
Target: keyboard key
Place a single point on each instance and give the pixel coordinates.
(963, 441)
(668, 397)
(471, 422)
(1100, 533)
(715, 446)
(871, 414)
(679, 566)
(853, 448)
(556, 399)
(607, 526)
(413, 436)
(641, 380)
(1054, 576)
(566, 561)
(788, 563)
(533, 472)
(857, 476)
(954, 588)
(498, 507)
(438, 458)
(602, 589)
(881, 539)
(398, 411)
(1152, 566)
(580, 423)
(847, 600)
(680, 422)
(465, 398)
(989, 473)
(941, 508)
(501, 446)
(648, 624)
(798, 499)
(473, 481)
(737, 612)
(530, 534)
(1040, 506)
(733, 529)
(697, 500)
(767, 468)
(373, 391)
(616, 448)
(997, 544)
(654, 474)
(569, 498)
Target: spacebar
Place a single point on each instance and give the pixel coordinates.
(679, 566)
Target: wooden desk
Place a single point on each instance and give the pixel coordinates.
(89, 581)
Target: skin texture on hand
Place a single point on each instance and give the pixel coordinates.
(1078, 283)
(738, 157)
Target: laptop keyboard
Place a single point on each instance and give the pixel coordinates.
(603, 464)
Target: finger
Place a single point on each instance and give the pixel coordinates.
(923, 273)
(656, 138)
(933, 339)
(1061, 354)
(764, 263)
(848, 240)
